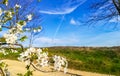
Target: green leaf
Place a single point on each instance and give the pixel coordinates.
(21, 22)
(28, 73)
(2, 39)
(19, 74)
(5, 1)
(23, 38)
(0, 29)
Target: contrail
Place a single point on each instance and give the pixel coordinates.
(70, 2)
(59, 25)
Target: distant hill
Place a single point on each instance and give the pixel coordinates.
(95, 59)
(114, 48)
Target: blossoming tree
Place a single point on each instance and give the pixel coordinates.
(35, 57)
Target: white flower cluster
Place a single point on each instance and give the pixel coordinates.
(8, 14)
(29, 17)
(17, 6)
(19, 27)
(10, 38)
(14, 51)
(41, 57)
(32, 55)
(59, 62)
(4, 52)
(36, 30)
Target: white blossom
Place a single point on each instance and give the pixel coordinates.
(34, 30)
(8, 14)
(4, 52)
(10, 38)
(24, 23)
(14, 51)
(19, 27)
(39, 30)
(59, 62)
(29, 17)
(12, 30)
(6, 3)
(44, 62)
(17, 6)
(42, 56)
(0, 26)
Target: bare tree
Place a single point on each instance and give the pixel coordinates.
(103, 10)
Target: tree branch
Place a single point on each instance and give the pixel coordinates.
(117, 7)
(1, 72)
(39, 69)
(4, 43)
(6, 27)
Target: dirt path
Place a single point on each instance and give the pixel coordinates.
(19, 67)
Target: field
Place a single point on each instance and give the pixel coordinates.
(104, 60)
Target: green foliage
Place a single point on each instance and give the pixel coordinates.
(21, 22)
(2, 64)
(10, 54)
(2, 39)
(28, 73)
(22, 39)
(0, 29)
(5, 1)
(19, 74)
(101, 60)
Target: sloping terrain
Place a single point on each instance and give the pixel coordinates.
(19, 67)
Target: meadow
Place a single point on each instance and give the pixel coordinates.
(104, 60)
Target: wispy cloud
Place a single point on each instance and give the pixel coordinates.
(66, 8)
(105, 39)
(47, 41)
(74, 22)
(59, 11)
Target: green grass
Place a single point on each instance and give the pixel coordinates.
(101, 60)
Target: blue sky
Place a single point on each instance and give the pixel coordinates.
(62, 26)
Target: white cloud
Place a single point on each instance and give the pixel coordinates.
(66, 8)
(59, 11)
(74, 22)
(47, 41)
(105, 39)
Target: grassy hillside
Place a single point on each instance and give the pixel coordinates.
(101, 60)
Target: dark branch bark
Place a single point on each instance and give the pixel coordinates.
(1, 72)
(116, 6)
(39, 69)
(22, 49)
(6, 27)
